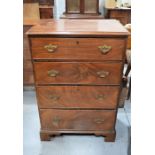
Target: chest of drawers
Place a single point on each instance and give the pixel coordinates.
(78, 69)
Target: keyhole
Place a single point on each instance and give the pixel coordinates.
(77, 42)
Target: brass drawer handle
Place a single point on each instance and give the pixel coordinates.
(102, 74)
(100, 97)
(99, 121)
(105, 49)
(56, 121)
(53, 73)
(50, 47)
(54, 97)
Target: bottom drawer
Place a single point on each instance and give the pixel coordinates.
(77, 119)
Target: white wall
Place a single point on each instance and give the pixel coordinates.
(59, 8)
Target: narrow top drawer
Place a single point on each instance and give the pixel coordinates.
(78, 48)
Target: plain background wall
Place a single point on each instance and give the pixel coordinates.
(60, 7)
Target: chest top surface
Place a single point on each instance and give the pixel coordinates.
(106, 27)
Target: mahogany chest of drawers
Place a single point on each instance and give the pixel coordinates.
(78, 69)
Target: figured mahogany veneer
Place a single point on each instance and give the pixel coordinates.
(77, 119)
(78, 73)
(77, 97)
(78, 68)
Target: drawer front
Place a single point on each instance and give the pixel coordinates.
(77, 119)
(78, 48)
(77, 73)
(77, 97)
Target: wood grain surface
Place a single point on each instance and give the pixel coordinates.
(80, 28)
(77, 119)
(78, 73)
(78, 97)
(78, 48)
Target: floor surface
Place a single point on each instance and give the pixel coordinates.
(72, 144)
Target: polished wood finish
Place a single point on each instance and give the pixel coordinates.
(77, 97)
(77, 119)
(78, 67)
(80, 46)
(121, 14)
(79, 28)
(78, 73)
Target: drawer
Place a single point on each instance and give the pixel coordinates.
(77, 73)
(77, 97)
(77, 119)
(78, 48)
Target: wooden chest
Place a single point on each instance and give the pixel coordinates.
(121, 14)
(78, 69)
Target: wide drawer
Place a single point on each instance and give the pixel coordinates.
(77, 73)
(78, 48)
(78, 97)
(77, 119)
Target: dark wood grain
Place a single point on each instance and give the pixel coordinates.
(77, 119)
(78, 48)
(77, 97)
(77, 73)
